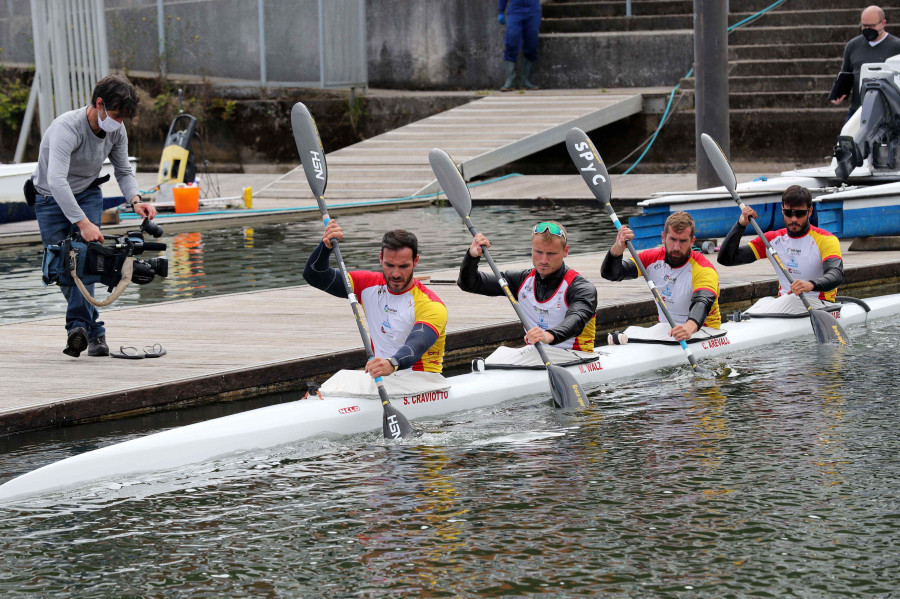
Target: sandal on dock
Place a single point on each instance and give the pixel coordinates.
(154, 351)
(127, 353)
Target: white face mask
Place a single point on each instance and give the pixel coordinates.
(109, 124)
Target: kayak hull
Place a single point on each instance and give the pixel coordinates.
(293, 421)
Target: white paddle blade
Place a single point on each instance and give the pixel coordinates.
(309, 145)
(451, 181)
(719, 162)
(589, 163)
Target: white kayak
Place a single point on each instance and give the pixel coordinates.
(290, 422)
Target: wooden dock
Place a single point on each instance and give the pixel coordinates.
(246, 344)
(480, 136)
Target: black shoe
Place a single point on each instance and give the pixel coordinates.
(77, 342)
(97, 347)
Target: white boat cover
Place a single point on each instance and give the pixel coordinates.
(356, 383)
(659, 333)
(527, 356)
(787, 306)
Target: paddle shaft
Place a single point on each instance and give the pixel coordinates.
(515, 303)
(358, 312)
(657, 296)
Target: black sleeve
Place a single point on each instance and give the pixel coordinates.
(847, 64)
(731, 253)
(473, 280)
(321, 276)
(582, 299)
(614, 268)
(832, 277)
(702, 301)
(420, 338)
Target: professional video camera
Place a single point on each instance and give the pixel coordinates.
(76, 262)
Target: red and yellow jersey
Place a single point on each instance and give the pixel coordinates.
(550, 313)
(803, 257)
(677, 285)
(391, 317)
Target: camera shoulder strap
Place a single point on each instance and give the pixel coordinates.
(127, 270)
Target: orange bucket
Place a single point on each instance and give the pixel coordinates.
(187, 199)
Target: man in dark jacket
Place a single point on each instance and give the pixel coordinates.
(874, 44)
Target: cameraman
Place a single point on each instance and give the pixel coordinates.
(67, 190)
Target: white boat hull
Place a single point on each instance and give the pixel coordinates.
(290, 422)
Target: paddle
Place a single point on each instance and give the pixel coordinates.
(566, 391)
(592, 169)
(312, 157)
(824, 325)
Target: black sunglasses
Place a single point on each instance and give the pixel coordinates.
(795, 213)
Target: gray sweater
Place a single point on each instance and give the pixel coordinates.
(71, 157)
(858, 52)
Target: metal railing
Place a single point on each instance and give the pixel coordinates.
(269, 43)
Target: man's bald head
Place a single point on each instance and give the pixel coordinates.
(872, 15)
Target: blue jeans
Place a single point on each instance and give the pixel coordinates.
(54, 228)
(522, 28)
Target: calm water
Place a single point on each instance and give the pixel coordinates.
(236, 259)
(779, 481)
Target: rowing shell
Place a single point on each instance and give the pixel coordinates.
(293, 421)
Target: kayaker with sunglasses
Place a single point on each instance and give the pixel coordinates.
(686, 280)
(812, 255)
(559, 303)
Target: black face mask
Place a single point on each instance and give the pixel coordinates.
(870, 34)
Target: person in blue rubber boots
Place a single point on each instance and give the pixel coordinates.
(523, 23)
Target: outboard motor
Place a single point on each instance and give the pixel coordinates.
(878, 134)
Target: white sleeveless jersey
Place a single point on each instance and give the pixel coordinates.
(550, 313)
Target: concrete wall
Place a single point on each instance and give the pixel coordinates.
(428, 44)
(632, 59)
(458, 44)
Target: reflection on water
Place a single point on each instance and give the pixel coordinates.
(236, 259)
(778, 481)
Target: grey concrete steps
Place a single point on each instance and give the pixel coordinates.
(616, 8)
(786, 51)
(793, 18)
(649, 7)
(774, 83)
(799, 66)
(769, 99)
(764, 34)
(797, 136)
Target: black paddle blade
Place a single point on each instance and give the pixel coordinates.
(451, 181)
(702, 372)
(567, 393)
(590, 165)
(395, 424)
(720, 163)
(309, 145)
(827, 328)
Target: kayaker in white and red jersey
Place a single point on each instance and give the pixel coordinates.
(559, 303)
(687, 281)
(406, 320)
(812, 255)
